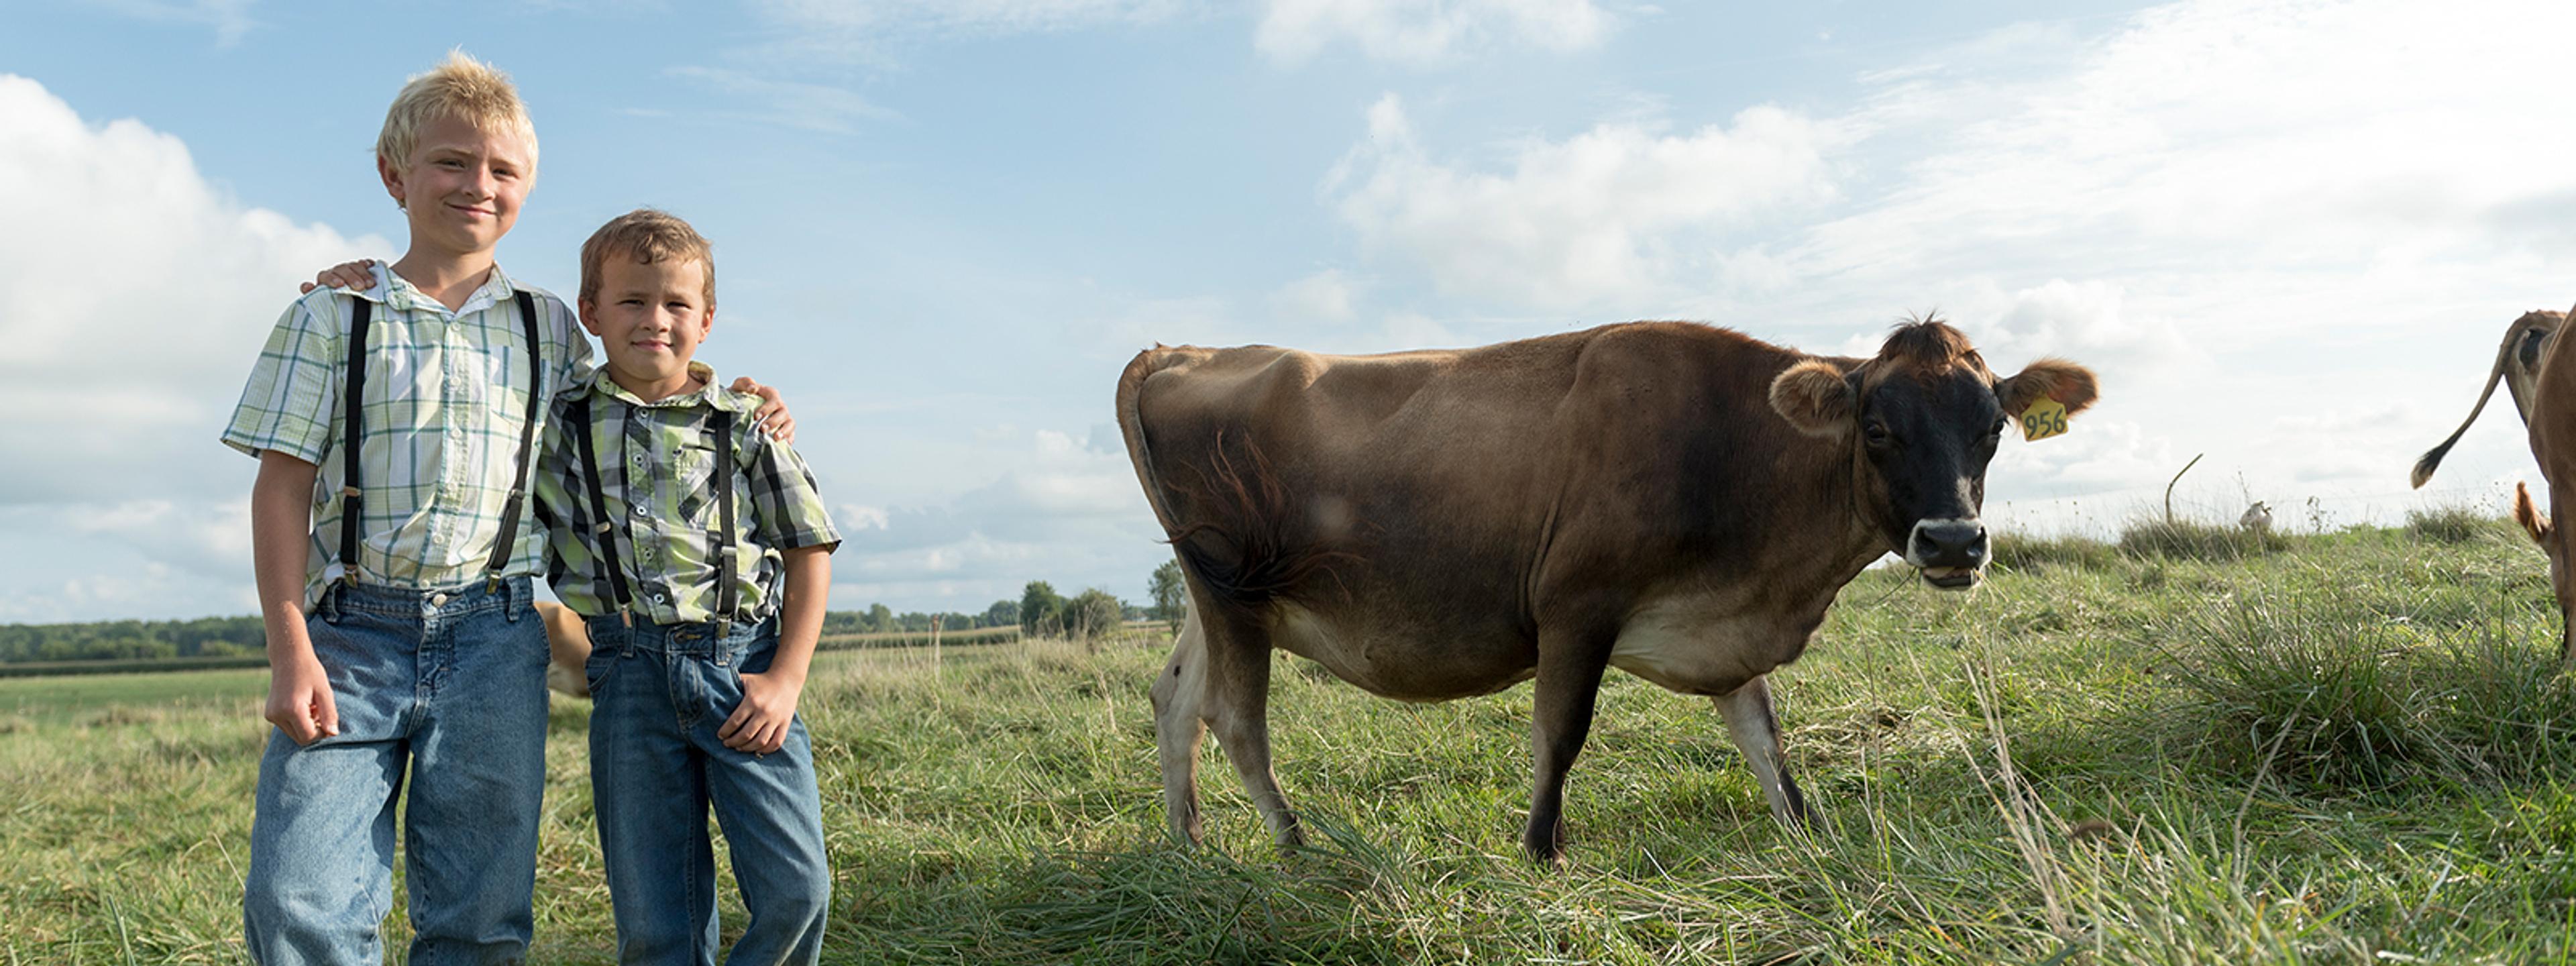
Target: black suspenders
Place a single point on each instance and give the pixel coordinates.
(352, 495)
(527, 438)
(353, 396)
(726, 592)
(604, 528)
(603, 531)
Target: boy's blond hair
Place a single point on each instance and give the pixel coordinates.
(647, 235)
(459, 87)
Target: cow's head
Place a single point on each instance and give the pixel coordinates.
(1921, 420)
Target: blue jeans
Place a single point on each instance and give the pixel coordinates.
(451, 687)
(661, 694)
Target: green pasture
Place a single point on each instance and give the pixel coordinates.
(2189, 748)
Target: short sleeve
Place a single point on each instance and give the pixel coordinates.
(787, 506)
(287, 404)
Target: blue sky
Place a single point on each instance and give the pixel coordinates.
(2287, 233)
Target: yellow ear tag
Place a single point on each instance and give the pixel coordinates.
(2043, 419)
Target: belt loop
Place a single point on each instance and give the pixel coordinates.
(329, 606)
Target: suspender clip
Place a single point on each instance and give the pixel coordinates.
(349, 491)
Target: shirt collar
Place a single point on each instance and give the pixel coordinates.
(711, 394)
(396, 292)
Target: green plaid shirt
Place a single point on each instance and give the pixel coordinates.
(657, 469)
(446, 393)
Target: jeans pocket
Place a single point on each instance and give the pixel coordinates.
(595, 670)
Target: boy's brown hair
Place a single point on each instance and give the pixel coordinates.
(459, 87)
(646, 235)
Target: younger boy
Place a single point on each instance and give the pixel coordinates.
(697, 551)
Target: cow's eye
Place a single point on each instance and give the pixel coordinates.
(1876, 434)
(1998, 428)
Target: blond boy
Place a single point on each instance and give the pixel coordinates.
(392, 540)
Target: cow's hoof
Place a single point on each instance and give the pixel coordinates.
(1545, 846)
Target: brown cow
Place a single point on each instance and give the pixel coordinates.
(1678, 501)
(2553, 442)
(2517, 363)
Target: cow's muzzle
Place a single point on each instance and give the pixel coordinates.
(1951, 553)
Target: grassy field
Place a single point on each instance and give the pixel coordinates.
(2341, 749)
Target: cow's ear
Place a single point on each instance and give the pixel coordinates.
(2070, 384)
(1815, 397)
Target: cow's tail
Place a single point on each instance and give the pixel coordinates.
(2525, 513)
(1131, 425)
(1238, 541)
(2432, 458)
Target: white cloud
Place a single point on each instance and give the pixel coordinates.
(1426, 32)
(2288, 134)
(1619, 214)
(133, 298)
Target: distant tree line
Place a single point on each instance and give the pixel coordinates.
(133, 640)
(880, 619)
(1040, 612)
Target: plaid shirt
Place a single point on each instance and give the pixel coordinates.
(446, 393)
(664, 538)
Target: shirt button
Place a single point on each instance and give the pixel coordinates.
(639, 509)
(659, 599)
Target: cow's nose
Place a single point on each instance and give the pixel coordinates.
(1950, 543)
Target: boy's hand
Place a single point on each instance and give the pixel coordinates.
(772, 416)
(299, 701)
(759, 723)
(344, 275)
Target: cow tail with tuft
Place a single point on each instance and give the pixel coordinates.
(2516, 339)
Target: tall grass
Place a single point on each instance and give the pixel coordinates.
(2458, 523)
(2188, 539)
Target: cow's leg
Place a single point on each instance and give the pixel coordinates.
(1569, 679)
(1180, 708)
(1237, 707)
(1756, 731)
